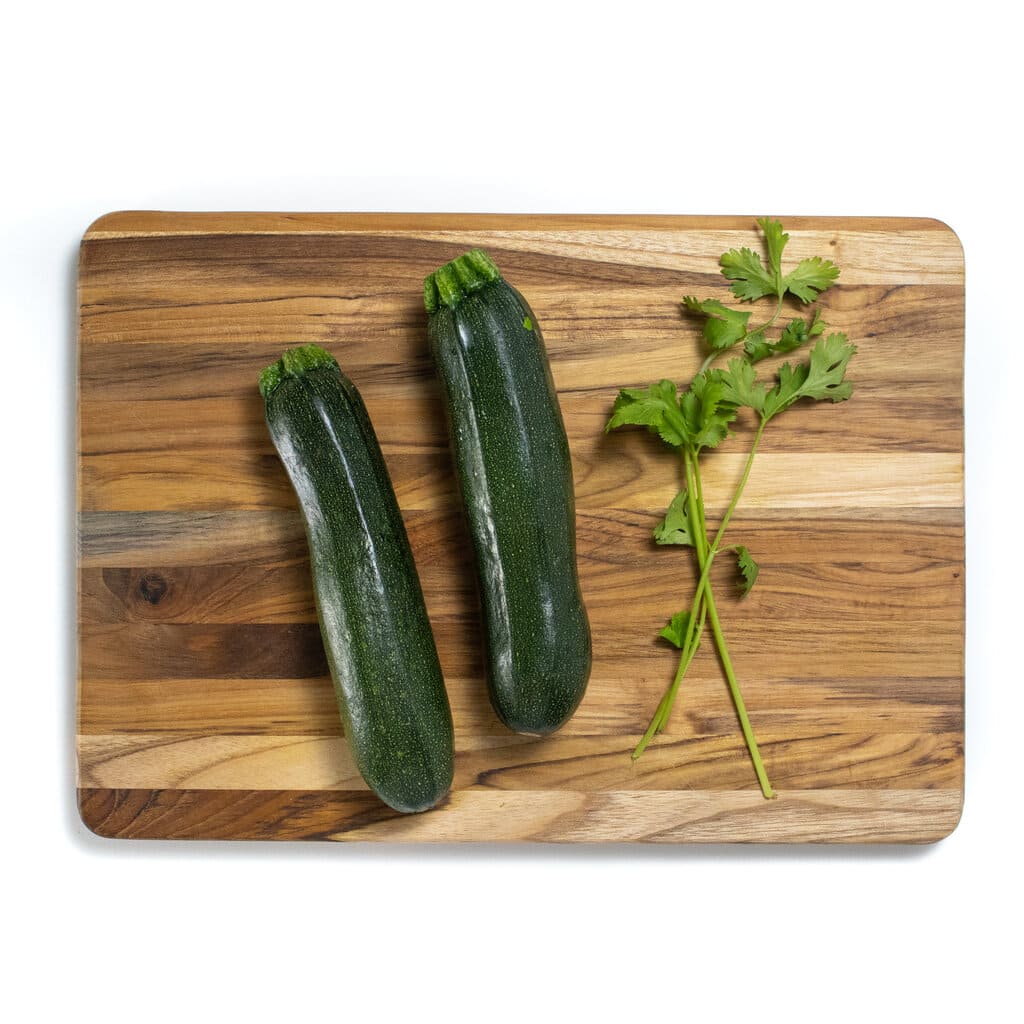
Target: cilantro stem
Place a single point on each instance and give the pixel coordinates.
(737, 698)
(716, 626)
(698, 487)
(739, 489)
(695, 504)
(691, 639)
(712, 356)
(704, 606)
(665, 707)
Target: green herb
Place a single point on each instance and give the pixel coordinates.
(702, 416)
(747, 568)
(677, 629)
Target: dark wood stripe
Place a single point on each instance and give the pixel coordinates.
(409, 419)
(267, 594)
(911, 645)
(110, 539)
(852, 567)
(226, 814)
(799, 759)
(198, 650)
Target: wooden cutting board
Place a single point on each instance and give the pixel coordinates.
(204, 706)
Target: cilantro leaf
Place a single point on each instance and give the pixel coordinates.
(723, 326)
(787, 390)
(810, 277)
(748, 569)
(706, 411)
(827, 369)
(796, 333)
(741, 386)
(675, 527)
(756, 348)
(821, 377)
(751, 281)
(775, 239)
(655, 407)
(675, 631)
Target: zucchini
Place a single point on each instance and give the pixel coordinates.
(373, 621)
(512, 460)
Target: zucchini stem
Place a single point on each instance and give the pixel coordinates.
(450, 284)
(294, 362)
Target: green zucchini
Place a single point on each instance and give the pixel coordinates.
(373, 621)
(512, 460)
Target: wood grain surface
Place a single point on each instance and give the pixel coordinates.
(204, 708)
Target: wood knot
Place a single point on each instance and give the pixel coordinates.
(152, 587)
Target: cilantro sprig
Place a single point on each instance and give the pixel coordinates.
(701, 418)
(752, 280)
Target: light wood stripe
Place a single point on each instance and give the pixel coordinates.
(509, 763)
(201, 481)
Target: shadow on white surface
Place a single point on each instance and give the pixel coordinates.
(162, 850)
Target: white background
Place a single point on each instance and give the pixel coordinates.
(781, 108)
